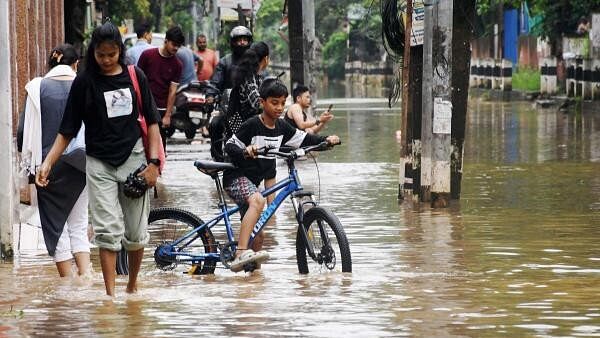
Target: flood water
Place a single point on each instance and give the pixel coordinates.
(518, 255)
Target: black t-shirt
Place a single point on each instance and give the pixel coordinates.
(108, 106)
(253, 131)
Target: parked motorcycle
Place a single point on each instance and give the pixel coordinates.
(192, 108)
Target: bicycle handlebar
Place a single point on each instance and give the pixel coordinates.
(295, 153)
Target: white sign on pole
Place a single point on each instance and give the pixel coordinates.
(442, 116)
(418, 23)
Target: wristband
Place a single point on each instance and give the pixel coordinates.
(317, 122)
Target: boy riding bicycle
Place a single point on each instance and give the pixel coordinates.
(264, 131)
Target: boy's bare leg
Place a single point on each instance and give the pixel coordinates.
(64, 268)
(257, 244)
(256, 204)
(259, 239)
(108, 261)
(269, 183)
(82, 259)
(135, 261)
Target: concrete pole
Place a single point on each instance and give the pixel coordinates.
(310, 54)
(301, 28)
(7, 190)
(216, 28)
(427, 112)
(442, 113)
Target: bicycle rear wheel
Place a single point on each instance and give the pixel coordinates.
(169, 224)
(327, 238)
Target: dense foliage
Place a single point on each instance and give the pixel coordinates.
(161, 13)
(267, 28)
(557, 17)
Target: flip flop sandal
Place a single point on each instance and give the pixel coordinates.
(248, 256)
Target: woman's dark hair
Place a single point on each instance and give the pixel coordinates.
(272, 87)
(105, 33)
(64, 54)
(249, 62)
(261, 49)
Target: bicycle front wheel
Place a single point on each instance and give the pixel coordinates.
(328, 240)
(169, 224)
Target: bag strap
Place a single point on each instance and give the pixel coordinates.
(136, 87)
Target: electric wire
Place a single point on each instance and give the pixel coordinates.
(392, 29)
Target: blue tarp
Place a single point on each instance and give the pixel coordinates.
(511, 35)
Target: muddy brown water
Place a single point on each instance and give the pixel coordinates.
(518, 255)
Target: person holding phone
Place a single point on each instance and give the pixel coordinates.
(297, 116)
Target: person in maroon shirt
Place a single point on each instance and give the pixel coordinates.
(163, 71)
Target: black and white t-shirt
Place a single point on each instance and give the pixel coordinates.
(108, 107)
(253, 131)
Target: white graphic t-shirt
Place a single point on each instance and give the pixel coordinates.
(118, 102)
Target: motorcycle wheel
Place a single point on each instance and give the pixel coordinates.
(190, 133)
(169, 131)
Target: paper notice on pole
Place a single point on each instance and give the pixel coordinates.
(595, 32)
(442, 116)
(418, 23)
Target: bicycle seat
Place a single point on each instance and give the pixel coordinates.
(211, 167)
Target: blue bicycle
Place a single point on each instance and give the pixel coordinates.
(321, 243)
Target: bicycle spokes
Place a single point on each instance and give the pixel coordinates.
(321, 245)
(325, 242)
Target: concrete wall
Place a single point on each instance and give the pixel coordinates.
(28, 30)
(364, 79)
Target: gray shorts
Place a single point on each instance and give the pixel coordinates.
(118, 221)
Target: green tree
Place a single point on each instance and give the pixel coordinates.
(268, 21)
(557, 17)
(161, 13)
(334, 54)
(119, 10)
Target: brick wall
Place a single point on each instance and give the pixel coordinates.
(36, 26)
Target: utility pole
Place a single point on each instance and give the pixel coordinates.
(437, 104)
(464, 15)
(435, 99)
(426, 135)
(405, 161)
(301, 28)
(7, 190)
(412, 79)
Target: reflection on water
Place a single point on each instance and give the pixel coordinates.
(518, 255)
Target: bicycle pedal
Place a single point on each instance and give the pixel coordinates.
(250, 267)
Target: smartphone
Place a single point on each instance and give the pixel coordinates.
(330, 106)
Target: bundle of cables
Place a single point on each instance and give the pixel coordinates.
(392, 29)
(393, 35)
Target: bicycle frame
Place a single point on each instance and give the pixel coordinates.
(288, 187)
